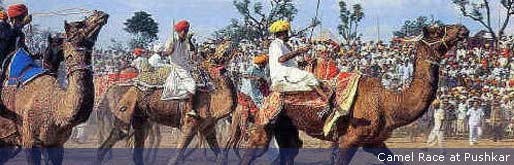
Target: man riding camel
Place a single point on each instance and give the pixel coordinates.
(11, 34)
(156, 60)
(141, 62)
(180, 84)
(284, 71)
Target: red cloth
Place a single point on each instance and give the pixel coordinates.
(182, 25)
(17, 10)
(327, 69)
(138, 51)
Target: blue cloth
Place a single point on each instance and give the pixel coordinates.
(23, 68)
(251, 87)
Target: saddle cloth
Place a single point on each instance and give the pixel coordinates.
(23, 68)
(344, 86)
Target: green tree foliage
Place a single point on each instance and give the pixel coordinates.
(256, 21)
(480, 11)
(415, 27)
(350, 19)
(143, 29)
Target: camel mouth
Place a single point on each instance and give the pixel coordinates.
(94, 23)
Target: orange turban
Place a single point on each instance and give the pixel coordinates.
(17, 10)
(181, 25)
(261, 59)
(138, 51)
(3, 15)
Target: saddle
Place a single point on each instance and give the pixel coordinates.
(22, 69)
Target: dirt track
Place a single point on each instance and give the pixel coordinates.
(397, 142)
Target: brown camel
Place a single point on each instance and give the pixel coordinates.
(9, 136)
(147, 106)
(376, 111)
(44, 112)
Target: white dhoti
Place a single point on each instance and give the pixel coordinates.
(291, 79)
(179, 84)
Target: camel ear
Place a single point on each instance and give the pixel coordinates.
(66, 26)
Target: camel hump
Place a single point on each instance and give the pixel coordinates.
(23, 68)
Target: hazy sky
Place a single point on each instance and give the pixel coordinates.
(209, 15)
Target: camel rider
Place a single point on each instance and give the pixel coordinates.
(180, 84)
(141, 62)
(12, 36)
(254, 80)
(156, 60)
(284, 71)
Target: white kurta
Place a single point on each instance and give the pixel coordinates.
(179, 83)
(156, 61)
(286, 77)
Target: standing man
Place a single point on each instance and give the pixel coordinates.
(496, 121)
(475, 123)
(437, 134)
(284, 71)
(180, 84)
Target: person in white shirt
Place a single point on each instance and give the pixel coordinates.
(156, 60)
(461, 116)
(284, 72)
(140, 61)
(475, 114)
(437, 134)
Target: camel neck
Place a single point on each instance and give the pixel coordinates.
(79, 96)
(415, 100)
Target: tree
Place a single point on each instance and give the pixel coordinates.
(415, 27)
(480, 11)
(348, 28)
(143, 29)
(255, 23)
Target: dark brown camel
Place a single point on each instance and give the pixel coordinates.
(46, 113)
(147, 106)
(376, 112)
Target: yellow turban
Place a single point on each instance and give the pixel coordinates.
(261, 59)
(3, 15)
(279, 26)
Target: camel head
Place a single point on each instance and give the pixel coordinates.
(54, 53)
(443, 38)
(83, 34)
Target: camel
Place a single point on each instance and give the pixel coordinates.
(148, 107)
(44, 112)
(375, 113)
(10, 138)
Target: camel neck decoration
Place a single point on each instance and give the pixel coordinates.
(376, 111)
(46, 113)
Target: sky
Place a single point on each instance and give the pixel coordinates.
(207, 16)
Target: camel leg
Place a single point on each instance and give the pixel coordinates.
(346, 150)
(379, 148)
(115, 136)
(55, 155)
(139, 145)
(157, 136)
(188, 131)
(259, 142)
(288, 139)
(33, 155)
(234, 136)
(210, 136)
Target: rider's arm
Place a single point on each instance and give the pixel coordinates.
(286, 57)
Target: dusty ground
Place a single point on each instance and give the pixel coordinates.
(168, 141)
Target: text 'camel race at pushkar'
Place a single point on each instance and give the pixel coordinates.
(454, 157)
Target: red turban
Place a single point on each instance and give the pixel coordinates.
(182, 25)
(17, 10)
(138, 51)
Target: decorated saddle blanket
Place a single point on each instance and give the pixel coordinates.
(344, 88)
(153, 79)
(23, 68)
(346, 85)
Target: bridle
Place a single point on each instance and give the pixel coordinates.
(442, 41)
